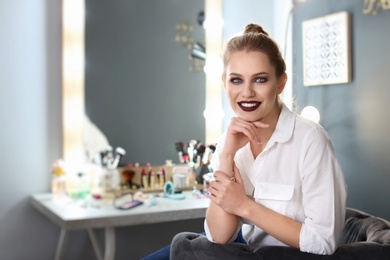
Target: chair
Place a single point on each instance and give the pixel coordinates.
(364, 237)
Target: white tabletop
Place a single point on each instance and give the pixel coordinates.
(71, 214)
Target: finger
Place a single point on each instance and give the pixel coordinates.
(213, 183)
(260, 124)
(247, 128)
(221, 176)
(212, 192)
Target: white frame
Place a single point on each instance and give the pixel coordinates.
(326, 50)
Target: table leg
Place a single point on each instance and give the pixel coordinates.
(109, 251)
(61, 245)
(95, 244)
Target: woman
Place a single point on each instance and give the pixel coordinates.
(277, 180)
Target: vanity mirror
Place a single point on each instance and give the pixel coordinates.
(139, 90)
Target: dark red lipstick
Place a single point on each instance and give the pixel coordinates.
(249, 106)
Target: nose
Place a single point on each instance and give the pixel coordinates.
(248, 91)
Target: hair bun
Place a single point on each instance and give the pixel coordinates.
(254, 28)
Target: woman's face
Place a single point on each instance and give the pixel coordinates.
(252, 86)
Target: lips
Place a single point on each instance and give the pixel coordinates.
(249, 106)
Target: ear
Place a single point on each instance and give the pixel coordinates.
(224, 80)
(282, 83)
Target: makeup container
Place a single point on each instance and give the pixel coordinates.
(182, 175)
(179, 180)
(109, 180)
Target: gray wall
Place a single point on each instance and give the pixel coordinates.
(354, 114)
(139, 90)
(30, 123)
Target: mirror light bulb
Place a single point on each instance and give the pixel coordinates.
(311, 113)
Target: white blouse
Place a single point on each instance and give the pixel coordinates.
(297, 175)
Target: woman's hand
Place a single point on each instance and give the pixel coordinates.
(227, 193)
(240, 132)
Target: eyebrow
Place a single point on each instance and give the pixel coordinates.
(254, 75)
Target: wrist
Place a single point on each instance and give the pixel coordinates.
(225, 155)
(226, 162)
(246, 207)
(227, 159)
(229, 174)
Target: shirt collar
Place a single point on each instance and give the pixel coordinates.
(285, 126)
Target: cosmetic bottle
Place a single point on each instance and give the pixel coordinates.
(152, 180)
(58, 179)
(145, 181)
(58, 189)
(78, 185)
(127, 175)
(168, 170)
(162, 177)
(158, 182)
(149, 172)
(83, 185)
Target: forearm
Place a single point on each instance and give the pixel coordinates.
(277, 225)
(221, 224)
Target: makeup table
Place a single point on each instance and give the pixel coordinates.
(69, 215)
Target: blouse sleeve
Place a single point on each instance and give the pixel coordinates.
(324, 194)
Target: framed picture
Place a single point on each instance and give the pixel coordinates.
(326, 50)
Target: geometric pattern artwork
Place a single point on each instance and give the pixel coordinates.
(326, 50)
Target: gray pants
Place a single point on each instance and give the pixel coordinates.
(191, 246)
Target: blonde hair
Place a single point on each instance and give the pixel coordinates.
(255, 38)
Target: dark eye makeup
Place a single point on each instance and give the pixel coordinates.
(235, 80)
(260, 80)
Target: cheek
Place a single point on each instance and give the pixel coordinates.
(231, 93)
(232, 97)
(269, 93)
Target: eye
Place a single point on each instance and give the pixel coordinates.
(235, 80)
(260, 80)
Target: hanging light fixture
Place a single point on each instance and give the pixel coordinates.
(374, 6)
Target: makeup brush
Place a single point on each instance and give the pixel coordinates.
(119, 152)
(180, 146)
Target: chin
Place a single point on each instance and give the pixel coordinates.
(249, 118)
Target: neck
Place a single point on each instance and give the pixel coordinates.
(266, 133)
(272, 120)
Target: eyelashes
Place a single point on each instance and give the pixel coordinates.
(261, 80)
(236, 80)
